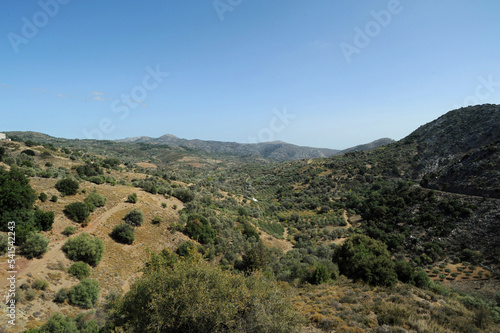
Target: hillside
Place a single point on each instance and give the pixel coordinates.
(460, 151)
(279, 151)
(364, 241)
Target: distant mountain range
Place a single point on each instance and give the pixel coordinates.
(276, 150)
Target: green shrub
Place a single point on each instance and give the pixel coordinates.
(201, 297)
(135, 218)
(95, 200)
(183, 195)
(34, 246)
(42, 197)
(77, 211)
(123, 233)
(53, 198)
(84, 248)
(61, 295)
(43, 220)
(69, 230)
(200, 230)
(80, 270)
(132, 198)
(39, 284)
(30, 295)
(97, 180)
(68, 186)
(362, 257)
(157, 220)
(85, 294)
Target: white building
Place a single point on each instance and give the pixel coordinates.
(3, 136)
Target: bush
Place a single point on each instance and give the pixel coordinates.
(200, 297)
(183, 195)
(69, 230)
(77, 211)
(34, 246)
(39, 284)
(84, 248)
(157, 220)
(135, 217)
(95, 200)
(365, 258)
(42, 197)
(123, 233)
(200, 230)
(43, 220)
(85, 294)
(132, 198)
(80, 270)
(67, 186)
(61, 295)
(53, 198)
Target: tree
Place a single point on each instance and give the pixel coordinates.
(365, 258)
(85, 294)
(34, 246)
(95, 200)
(77, 211)
(135, 218)
(200, 230)
(80, 270)
(123, 233)
(67, 186)
(183, 195)
(195, 296)
(84, 248)
(43, 220)
(15, 191)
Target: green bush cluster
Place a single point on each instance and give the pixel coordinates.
(84, 248)
(95, 200)
(67, 186)
(80, 270)
(77, 211)
(199, 229)
(135, 218)
(85, 294)
(123, 233)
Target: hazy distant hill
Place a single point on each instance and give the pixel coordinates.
(460, 151)
(276, 150)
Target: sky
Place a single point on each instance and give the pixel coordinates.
(322, 73)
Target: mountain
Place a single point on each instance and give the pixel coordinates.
(460, 151)
(276, 150)
(369, 146)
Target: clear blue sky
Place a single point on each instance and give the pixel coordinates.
(78, 69)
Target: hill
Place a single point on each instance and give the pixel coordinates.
(363, 241)
(278, 151)
(460, 151)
